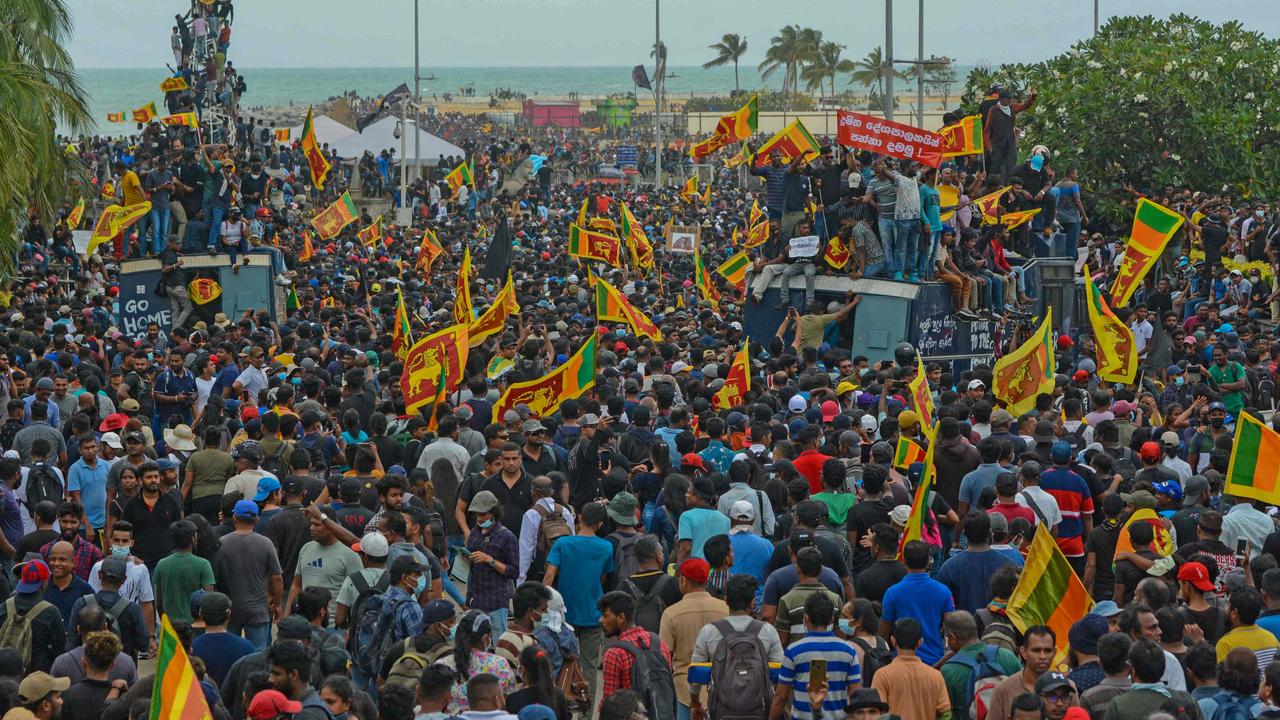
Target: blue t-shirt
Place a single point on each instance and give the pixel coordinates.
(921, 597)
(700, 524)
(968, 574)
(91, 483)
(751, 555)
(931, 207)
(220, 651)
(581, 561)
(978, 479)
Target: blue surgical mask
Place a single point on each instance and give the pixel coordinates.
(1037, 162)
(846, 626)
(486, 524)
(1179, 380)
(453, 631)
(422, 585)
(121, 551)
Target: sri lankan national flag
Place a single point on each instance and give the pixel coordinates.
(736, 126)
(401, 339)
(371, 234)
(291, 300)
(186, 119)
(1118, 353)
(962, 138)
(442, 353)
(792, 142)
(638, 245)
(613, 306)
(76, 215)
(332, 219)
(837, 252)
(909, 451)
(203, 291)
(462, 311)
(590, 245)
(428, 251)
(914, 529)
(736, 384)
(494, 319)
(1162, 544)
(1254, 471)
(316, 161)
(544, 395)
(1048, 591)
(689, 192)
(582, 212)
(283, 135)
(114, 220)
(735, 270)
(921, 398)
(459, 176)
(173, 84)
(1027, 371)
(308, 251)
(1012, 220)
(146, 113)
(989, 205)
(706, 287)
(1153, 225)
(757, 215)
(115, 117)
(604, 225)
(176, 693)
(757, 235)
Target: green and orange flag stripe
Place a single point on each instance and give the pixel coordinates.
(176, 693)
(1153, 225)
(909, 452)
(914, 529)
(544, 395)
(459, 176)
(962, 138)
(735, 270)
(1254, 471)
(1049, 592)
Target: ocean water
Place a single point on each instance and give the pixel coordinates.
(120, 90)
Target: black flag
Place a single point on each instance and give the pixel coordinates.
(497, 260)
(389, 99)
(640, 78)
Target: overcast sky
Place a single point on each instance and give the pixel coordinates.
(379, 33)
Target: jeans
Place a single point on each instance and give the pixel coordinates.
(876, 270)
(792, 269)
(240, 248)
(682, 711)
(590, 645)
(1072, 231)
(925, 269)
(69, 254)
(216, 215)
(258, 633)
(906, 247)
(888, 234)
(995, 290)
(498, 619)
(446, 583)
(159, 227)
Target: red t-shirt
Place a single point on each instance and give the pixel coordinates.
(809, 465)
(1014, 510)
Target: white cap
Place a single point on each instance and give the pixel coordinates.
(112, 439)
(374, 545)
(977, 385)
(679, 366)
(796, 404)
(900, 514)
(573, 279)
(869, 423)
(742, 510)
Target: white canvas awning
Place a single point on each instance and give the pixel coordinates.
(327, 130)
(381, 136)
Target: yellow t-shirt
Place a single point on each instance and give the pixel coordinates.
(131, 188)
(1262, 643)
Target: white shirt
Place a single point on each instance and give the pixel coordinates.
(137, 581)
(253, 380)
(1044, 501)
(1179, 466)
(1141, 336)
(529, 532)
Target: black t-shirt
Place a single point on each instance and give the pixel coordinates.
(878, 578)
(289, 529)
(353, 518)
(1212, 620)
(1102, 542)
(1130, 575)
(32, 542)
(1214, 236)
(151, 526)
(85, 700)
(1159, 303)
(861, 518)
(1224, 556)
(527, 696)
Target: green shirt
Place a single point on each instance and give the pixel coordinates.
(176, 577)
(790, 617)
(1233, 372)
(209, 470)
(957, 676)
(812, 327)
(838, 505)
(1142, 703)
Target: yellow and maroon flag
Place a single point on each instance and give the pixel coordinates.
(962, 138)
(176, 693)
(792, 142)
(757, 235)
(1027, 371)
(590, 245)
(989, 205)
(837, 252)
(330, 221)
(757, 214)
(1118, 352)
(308, 251)
(494, 319)
(544, 395)
(316, 161)
(613, 306)
(173, 84)
(734, 127)
(283, 135)
(1016, 219)
(440, 354)
(1162, 544)
(604, 225)
(1153, 225)
(464, 174)
(146, 113)
(582, 212)
(921, 398)
(76, 215)
(463, 313)
(735, 270)
(638, 245)
(203, 291)
(428, 251)
(115, 117)
(114, 220)
(372, 234)
(914, 529)
(736, 384)
(186, 119)
(401, 338)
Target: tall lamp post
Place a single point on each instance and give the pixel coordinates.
(657, 93)
(886, 102)
(417, 96)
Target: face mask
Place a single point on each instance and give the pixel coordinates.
(1037, 162)
(121, 551)
(1217, 422)
(554, 620)
(1179, 380)
(846, 626)
(453, 631)
(1259, 213)
(422, 585)
(486, 524)
(282, 376)
(296, 381)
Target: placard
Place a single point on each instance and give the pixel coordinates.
(886, 137)
(684, 238)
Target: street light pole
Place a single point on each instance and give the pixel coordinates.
(886, 102)
(402, 214)
(1095, 18)
(657, 94)
(417, 96)
(920, 70)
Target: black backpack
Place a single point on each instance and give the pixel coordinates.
(364, 613)
(1125, 465)
(873, 658)
(652, 678)
(43, 484)
(740, 685)
(648, 606)
(114, 613)
(274, 463)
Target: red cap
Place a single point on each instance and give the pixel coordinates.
(1080, 375)
(248, 412)
(830, 409)
(693, 460)
(1150, 451)
(267, 704)
(621, 347)
(1196, 574)
(1065, 341)
(695, 570)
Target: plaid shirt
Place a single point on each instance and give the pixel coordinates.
(617, 663)
(84, 555)
(488, 589)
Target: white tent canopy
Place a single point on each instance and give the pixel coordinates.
(327, 129)
(381, 136)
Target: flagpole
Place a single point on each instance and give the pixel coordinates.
(417, 99)
(657, 94)
(886, 102)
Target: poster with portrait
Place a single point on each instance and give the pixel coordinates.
(683, 238)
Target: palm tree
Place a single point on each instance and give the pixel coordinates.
(869, 73)
(731, 48)
(824, 66)
(791, 48)
(38, 91)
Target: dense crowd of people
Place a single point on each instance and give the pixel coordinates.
(645, 550)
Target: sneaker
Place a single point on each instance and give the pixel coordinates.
(913, 279)
(897, 276)
(967, 315)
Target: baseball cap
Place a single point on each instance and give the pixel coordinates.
(38, 684)
(1170, 488)
(436, 611)
(900, 514)
(245, 509)
(266, 486)
(536, 712)
(249, 450)
(373, 545)
(796, 404)
(1051, 681)
(693, 460)
(1193, 488)
(1196, 574)
(532, 426)
(114, 567)
(483, 502)
(1150, 451)
(695, 570)
(1170, 439)
(268, 704)
(1105, 609)
(1140, 499)
(1060, 451)
(831, 408)
(113, 440)
(976, 385)
(294, 627)
(34, 574)
(742, 510)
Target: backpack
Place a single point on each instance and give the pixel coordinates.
(16, 631)
(313, 700)
(1075, 438)
(1233, 706)
(874, 657)
(651, 678)
(363, 623)
(740, 685)
(1260, 390)
(981, 673)
(1124, 465)
(997, 631)
(625, 563)
(114, 613)
(274, 463)
(435, 522)
(407, 671)
(648, 606)
(43, 484)
(375, 637)
(552, 528)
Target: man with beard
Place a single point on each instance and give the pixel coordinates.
(151, 512)
(290, 673)
(83, 553)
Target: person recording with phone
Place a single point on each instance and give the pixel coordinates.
(174, 391)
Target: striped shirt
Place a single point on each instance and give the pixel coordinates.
(1075, 501)
(790, 617)
(843, 673)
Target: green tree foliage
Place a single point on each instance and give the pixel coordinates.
(1151, 102)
